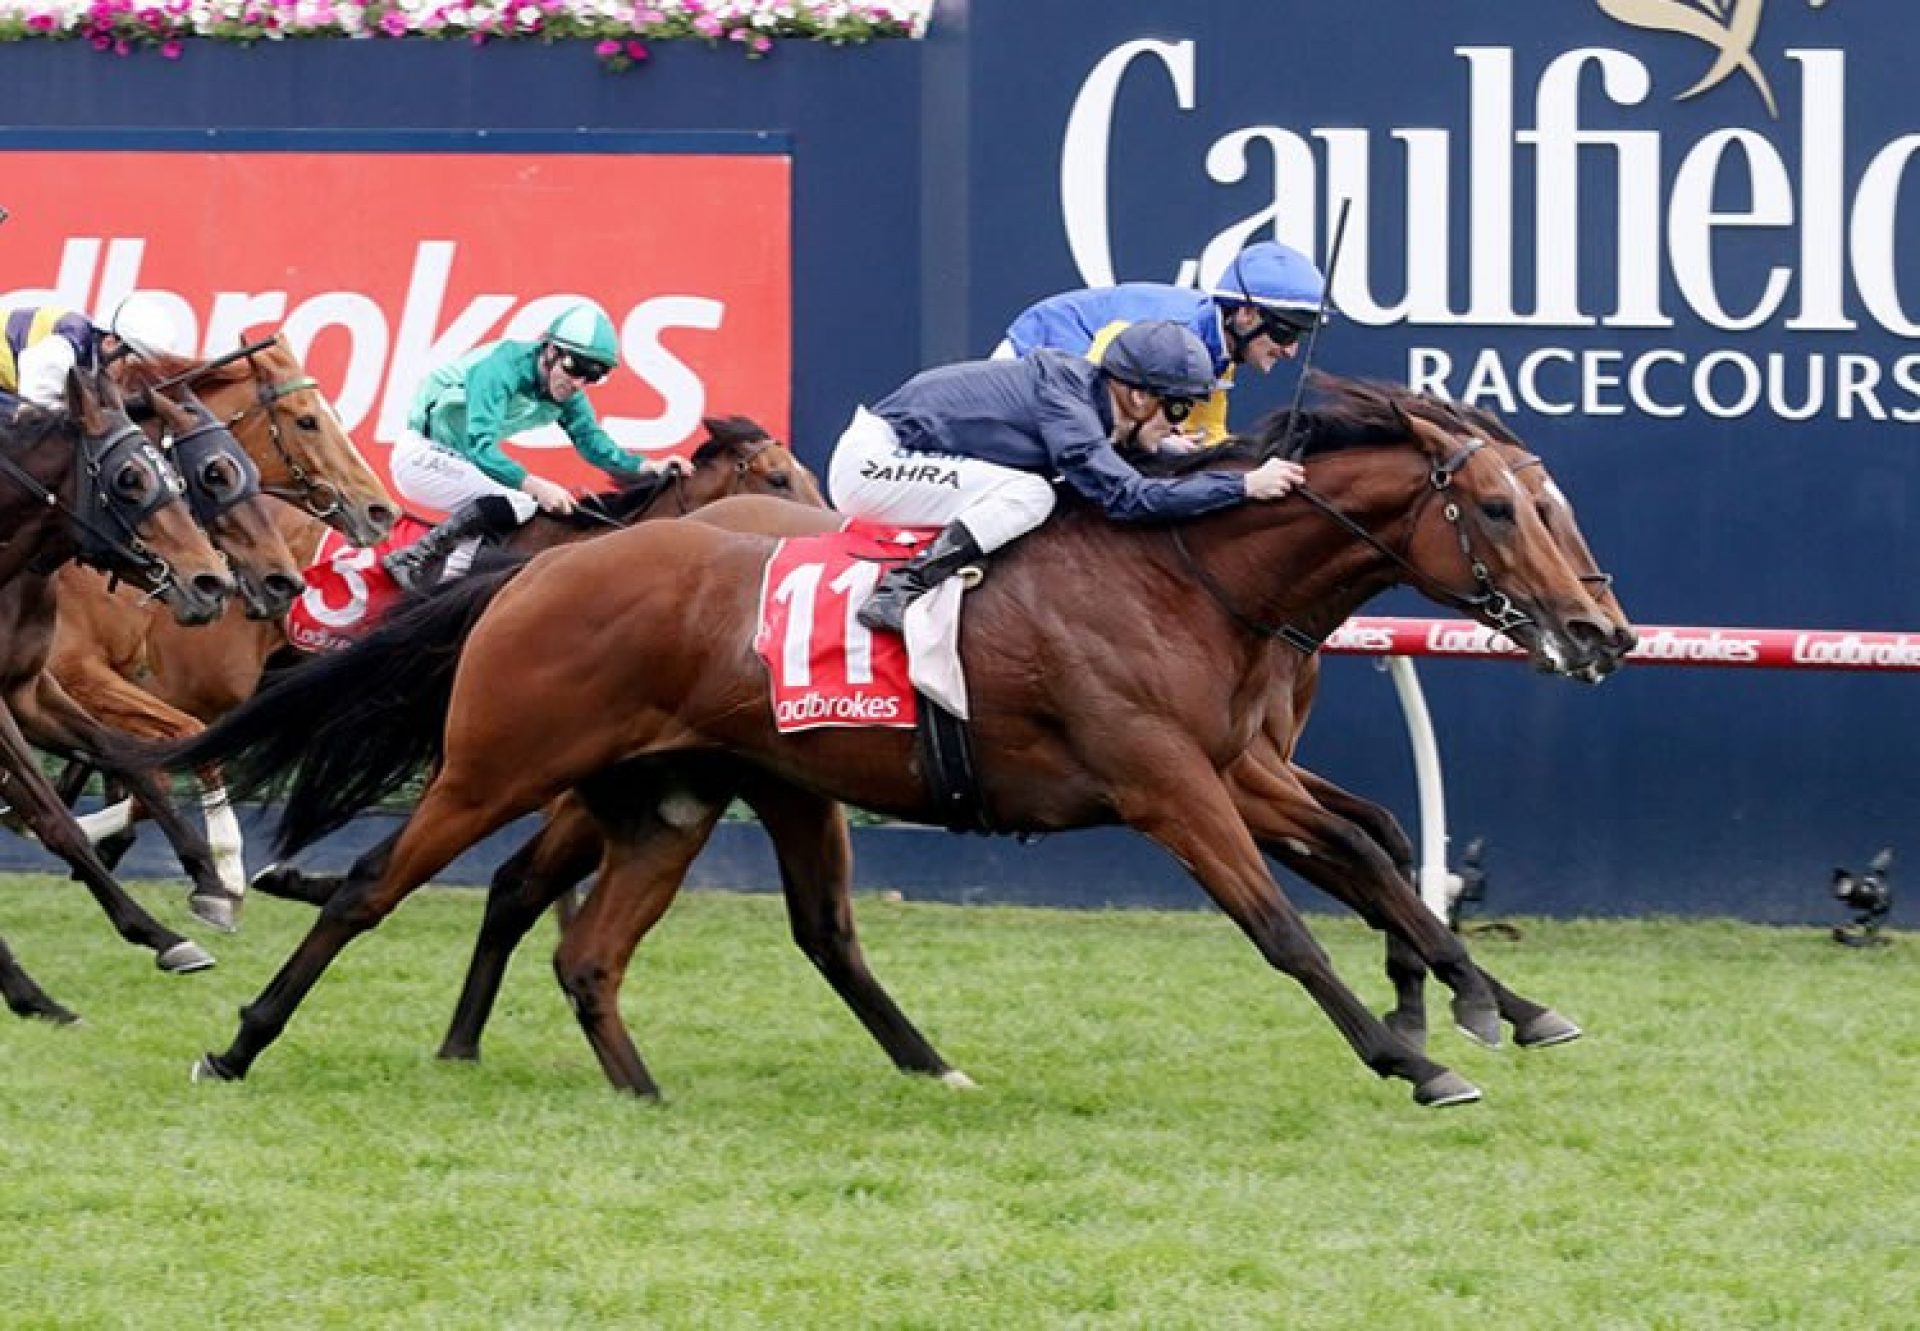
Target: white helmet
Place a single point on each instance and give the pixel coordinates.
(144, 325)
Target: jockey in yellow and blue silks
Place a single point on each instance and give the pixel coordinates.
(973, 449)
(449, 456)
(39, 344)
(1254, 315)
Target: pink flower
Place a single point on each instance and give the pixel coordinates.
(762, 45)
(393, 23)
(606, 48)
(102, 42)
(636, 50)
(707, 26)
(171, 50)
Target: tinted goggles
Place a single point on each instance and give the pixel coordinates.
(1178, 408)
(1284, 329)
(582, 370)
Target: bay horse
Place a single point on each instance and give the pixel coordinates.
(126, 664)
(1348, 846)
(148, 679)
(654, 706)
(85, 484)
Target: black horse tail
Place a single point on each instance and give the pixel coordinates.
(348, 728)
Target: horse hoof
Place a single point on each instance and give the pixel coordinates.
(956, 1080)
(184, 958)
(1545, 1031)
(207, 1067)
(1479, 1024)
(49, 1011)
(1446, 1088)
(459, 1053)
(219, 910)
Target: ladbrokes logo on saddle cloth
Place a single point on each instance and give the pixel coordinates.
(826, 669)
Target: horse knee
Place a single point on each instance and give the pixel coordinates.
(583, 980)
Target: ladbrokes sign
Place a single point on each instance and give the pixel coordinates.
(1626, 257)
(380, 266)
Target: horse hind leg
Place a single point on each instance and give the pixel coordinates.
(816, 874)
(565, 850)
(653, 829)
(23, 997)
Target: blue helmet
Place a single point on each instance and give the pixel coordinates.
(1162, 357)
(1277, 278)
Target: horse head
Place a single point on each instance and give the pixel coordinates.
(129, 512)
(740, 457)
(277, 412)
(1404, 493)
(223, 491)
(1556, 511)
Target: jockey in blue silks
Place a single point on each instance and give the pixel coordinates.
(1253, 315)
(973, 448)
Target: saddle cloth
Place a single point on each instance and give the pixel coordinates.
(348, 590)
(824, 668)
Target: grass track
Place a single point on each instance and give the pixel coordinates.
(1166, 1136)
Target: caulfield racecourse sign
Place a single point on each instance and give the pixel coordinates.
(1748, 270)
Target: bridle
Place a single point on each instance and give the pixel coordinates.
(108, 530)
(1487, 603)
(317, 497)
(202, 445)
(1599, 577)
(676, 483)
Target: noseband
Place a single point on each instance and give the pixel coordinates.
(199, 448)
(107, 529)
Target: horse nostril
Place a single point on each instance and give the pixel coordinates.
(211, 586)
(382, 516)
(282, 588)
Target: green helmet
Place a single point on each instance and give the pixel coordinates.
(585, 331)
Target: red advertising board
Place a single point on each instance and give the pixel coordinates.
(380, 266)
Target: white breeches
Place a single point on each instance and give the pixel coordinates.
(872, 478)
(426, 474)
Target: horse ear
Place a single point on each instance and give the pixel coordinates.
(78, 404)
(110, 393)
(713, 425)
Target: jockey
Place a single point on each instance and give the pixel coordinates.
(973, 446)
(449, 455)
(40, 344)
(1253, 315)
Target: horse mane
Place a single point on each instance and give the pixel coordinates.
(1342, 414)
(725, 435)
(31, 427)
(160, 366)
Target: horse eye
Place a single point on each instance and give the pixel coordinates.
(131, 480)
(217, 475)
(1497, 510)
(780, 481)
(308, 422)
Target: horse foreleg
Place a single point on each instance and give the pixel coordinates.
(816, 874)
(565, 850)
(654, 824)
(448, 820)
(1338, 857)
(24, 998)
(55, 720)
(1205, 833)
(1534, 1024)
(24, 787)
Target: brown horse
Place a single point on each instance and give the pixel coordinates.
(85, 484)
(655, 706)
(158, 682)
(123, 662)
(1344, 844)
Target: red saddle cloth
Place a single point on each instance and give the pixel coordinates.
(348, 591)
(825, 669)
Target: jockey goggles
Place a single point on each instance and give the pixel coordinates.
(583, 370)
(1178, 408)
(1285, 328)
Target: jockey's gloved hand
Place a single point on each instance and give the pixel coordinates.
(1274, 478)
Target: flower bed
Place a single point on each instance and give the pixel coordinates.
(619, 31)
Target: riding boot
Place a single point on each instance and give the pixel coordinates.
(489, 515)
(952, 550)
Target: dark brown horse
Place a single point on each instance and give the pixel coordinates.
(655, 707)
(84, 484)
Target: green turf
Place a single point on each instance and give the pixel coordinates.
(1166, 1135)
